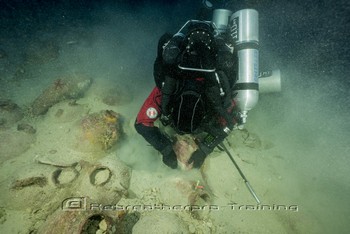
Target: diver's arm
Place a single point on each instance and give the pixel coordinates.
(168, 90)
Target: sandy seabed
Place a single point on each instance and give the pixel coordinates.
(53, 182)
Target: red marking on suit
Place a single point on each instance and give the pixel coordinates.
(150, 110)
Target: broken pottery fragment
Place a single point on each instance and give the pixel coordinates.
(69, 87)
(102, 129)
(184, 147)
(78, 221)
(40, 181)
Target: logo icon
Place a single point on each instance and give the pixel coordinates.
(74, 204)
(152, 113)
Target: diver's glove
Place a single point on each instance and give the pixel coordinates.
(198, 157)
(169, 157)
(207, 146)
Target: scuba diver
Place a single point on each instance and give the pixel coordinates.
(207, 80)
(195, 71)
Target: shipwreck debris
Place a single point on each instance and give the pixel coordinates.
(64, 176)
(102, 129)
(69, 87)
(40, 181)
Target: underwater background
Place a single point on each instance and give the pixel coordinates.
(301, 154)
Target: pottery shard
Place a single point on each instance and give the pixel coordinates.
(31, 181)
(184, 147)
(77, 221)
(64, 176)
(102, 129)
(100, 176)
(69, 87)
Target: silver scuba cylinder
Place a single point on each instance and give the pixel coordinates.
(244, 31)
(220, 19)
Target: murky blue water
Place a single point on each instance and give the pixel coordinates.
(308, 122)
